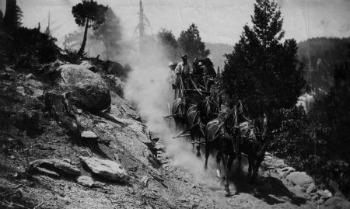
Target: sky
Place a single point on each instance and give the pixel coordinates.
(219, 21)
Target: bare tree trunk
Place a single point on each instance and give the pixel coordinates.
(81, 50)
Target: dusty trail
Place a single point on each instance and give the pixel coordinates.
(148, 86)
(203, 189)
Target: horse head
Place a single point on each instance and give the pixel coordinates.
(179, 107)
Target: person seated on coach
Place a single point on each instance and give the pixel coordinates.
(197, 72)
(172, 79)
(208, 73)
(184, 73)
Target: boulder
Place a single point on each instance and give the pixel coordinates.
(144, 180)
(299, 189)
(85, 181)
(20, 90)
(300, 178)
(288, 170)
(324, 194)
(336, 203)
(87, 89)
(30, 76)
(47, 172)
(88, 135)
(55, 165)
(106, 169)
(36, 88)
(159, 147)
(283, 172)
(279, 163)
(312, 188)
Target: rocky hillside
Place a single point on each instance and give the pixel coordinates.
(69, 140)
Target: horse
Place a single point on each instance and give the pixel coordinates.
(218, 137)
(253, 144)
(196, 126)
(223, 138)
(178, 111)
(198, 114)
(180, 108)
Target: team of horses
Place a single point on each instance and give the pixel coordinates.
(200, 114)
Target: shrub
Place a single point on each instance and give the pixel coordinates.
(31, 42)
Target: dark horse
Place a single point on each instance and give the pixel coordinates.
(196, 126)
(198, 115)
(223, 138)
(218, 137)
(253, 144)
(178, 112)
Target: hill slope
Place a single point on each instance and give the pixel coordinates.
(320, 56)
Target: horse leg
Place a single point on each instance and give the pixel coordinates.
(250, 165)
(198, 145)
(231, 158)
(258, 162)
(206, 155)
(218, 159)
(229, 164)
(192, 138)
(227, 182)
(239, 158)
(198, 151)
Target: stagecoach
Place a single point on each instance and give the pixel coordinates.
(205, 119)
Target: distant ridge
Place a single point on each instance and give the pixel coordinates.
(217, 52)
(320, 56)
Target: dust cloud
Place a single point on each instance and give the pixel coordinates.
(149, 88)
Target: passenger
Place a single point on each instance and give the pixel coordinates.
(208, 73)
(184, 73)
(172, 79)
(197, 73)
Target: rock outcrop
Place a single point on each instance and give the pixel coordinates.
(53, 167)
(336, 203)
(88, 135)
(300, 178)
(106, 169)
(85, 181)
(86, 89)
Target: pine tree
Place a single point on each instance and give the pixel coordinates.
(88, 14)
(168, 41)
(13, 15)
(262, 71)
(1, 18)
(110, 33)
(191, 43)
